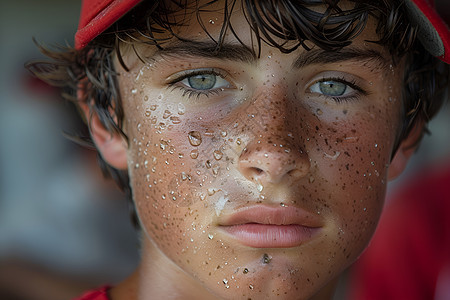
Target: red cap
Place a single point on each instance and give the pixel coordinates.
(98, 15)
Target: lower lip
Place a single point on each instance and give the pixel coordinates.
(271, 236)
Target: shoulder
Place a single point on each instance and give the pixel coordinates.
(97, 294)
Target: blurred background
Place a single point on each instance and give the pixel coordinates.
(63, 228)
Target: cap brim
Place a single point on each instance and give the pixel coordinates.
(108, 13)
(432, 30)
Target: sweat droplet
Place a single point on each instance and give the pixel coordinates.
(166, 114)
(175, 120)
(215, 169)
(134, 91)
(195, 139)
(208, 164)
(266, 259)
(181, 109)
(184, 176)
(218, 154)
(260, 187)
(319, 112)
(163, 144)
(210, 236)
(245, 271)
(194, 154)
(153, 107)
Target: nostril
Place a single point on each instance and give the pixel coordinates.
(257, 171)
(298, 171)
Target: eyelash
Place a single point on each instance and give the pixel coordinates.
(189, 92)
(352, 84)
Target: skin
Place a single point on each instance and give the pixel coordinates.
(268, 137)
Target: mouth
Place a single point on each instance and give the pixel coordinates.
(263, 226)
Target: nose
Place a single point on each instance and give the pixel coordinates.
(272, 162)
(276, 151)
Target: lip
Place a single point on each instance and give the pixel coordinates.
(263, 226)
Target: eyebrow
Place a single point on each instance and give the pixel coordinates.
(349, 53)
(241, 53)
(209, 49)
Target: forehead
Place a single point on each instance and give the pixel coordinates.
(284, 25)
(219, 30)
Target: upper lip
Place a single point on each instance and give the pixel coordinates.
(271, 215)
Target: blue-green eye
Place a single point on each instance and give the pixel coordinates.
(334, 88)
(204, 81)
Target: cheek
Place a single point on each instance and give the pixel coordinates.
(178, 174)
(350, 156)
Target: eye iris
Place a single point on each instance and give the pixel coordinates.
(332, 88)
(202, 81)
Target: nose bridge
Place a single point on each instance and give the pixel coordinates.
(275, 149)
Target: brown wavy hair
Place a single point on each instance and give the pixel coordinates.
(294, 23)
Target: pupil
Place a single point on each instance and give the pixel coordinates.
(332, 88)
(202, 81)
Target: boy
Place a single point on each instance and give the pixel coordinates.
(256, 137)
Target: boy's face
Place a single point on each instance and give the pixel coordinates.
(259, 176)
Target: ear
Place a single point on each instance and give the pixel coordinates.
(111, 145)
(406, 148)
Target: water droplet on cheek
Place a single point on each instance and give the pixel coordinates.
(175, 120)
(194, 154)
(208, 164)
(218, 154)
(181, 109)
(195, 138)
(166, 114)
